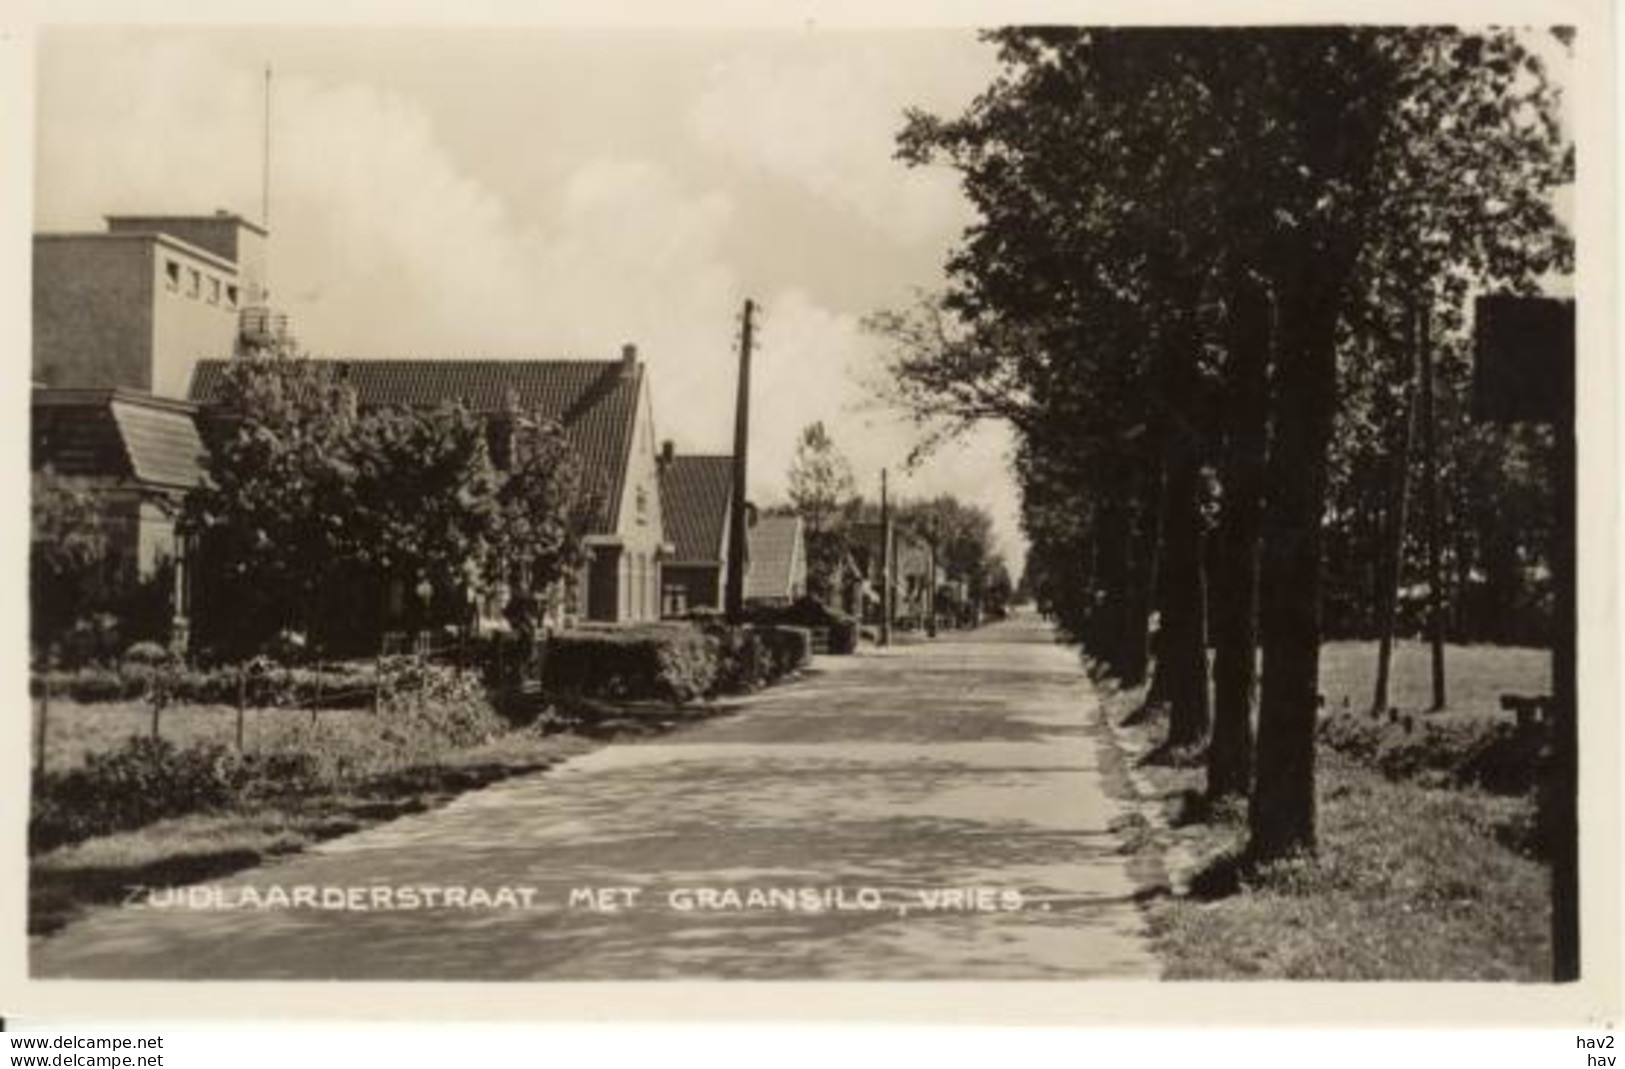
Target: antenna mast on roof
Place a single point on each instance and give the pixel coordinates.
(265, 158)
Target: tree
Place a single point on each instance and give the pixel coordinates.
(1302, 183)
(544, 503)
(270, 517)
(67, 558)
(314, 517)
(821, 491)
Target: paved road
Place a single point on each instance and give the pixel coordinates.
(893, 778)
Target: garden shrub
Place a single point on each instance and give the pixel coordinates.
(1479, 752)
(144, 780)
(433, 706)
(809, 612)
(743, 662)
(147, 654)
(789, 649)
(668, 662)
(843, 636)
(344, 685)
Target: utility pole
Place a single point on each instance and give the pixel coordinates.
(885, 564)
(931, 581)
(1430, 502)
(738, 548)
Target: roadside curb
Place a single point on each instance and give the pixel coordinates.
(1177, 859)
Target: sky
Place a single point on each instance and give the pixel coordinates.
(555, 193)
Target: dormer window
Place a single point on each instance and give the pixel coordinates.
(643, 505)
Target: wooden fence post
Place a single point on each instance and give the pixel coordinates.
(316, 703)
(242, 702)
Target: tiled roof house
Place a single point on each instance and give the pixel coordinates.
(605, 410)
(777, 568)
(695, 493)
(136, 455)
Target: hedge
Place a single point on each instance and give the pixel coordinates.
(809, 612)
(789, 648)
(1490, 754)
(345, 685)
(675, 662)
(670, 662)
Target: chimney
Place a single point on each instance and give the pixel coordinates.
(668, 452)
(629, 355)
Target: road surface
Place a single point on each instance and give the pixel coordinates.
(933, 811)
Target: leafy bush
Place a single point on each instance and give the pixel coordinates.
(280, 773)
(431, 706)
(287, 646)
(148, 654)
(146, 779)
(345, 685)
(1478, 752)
(789, 649)
(669, 662)
(743, 662)
(809, 612)
(843, 636)
(93, 639)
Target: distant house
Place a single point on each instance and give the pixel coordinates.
(136, 456)
(776, 569)
(695, 493)
(604, 408)
(909, 573)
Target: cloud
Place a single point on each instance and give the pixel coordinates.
(814, 364)
(827, 121)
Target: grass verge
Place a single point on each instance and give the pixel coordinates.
(72, 880)
(1411, 882)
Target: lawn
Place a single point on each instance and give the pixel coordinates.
(1412, 880)
(74, 729)
(374, 768)
(66, 882)
(1475, 676)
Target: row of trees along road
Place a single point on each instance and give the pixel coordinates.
(312, 511)
(1201, 269)
(823, 492)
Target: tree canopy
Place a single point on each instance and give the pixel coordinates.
(1189, 288)
(313, 513)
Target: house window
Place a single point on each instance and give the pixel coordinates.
(675, 602)
(172, 276)
(643, 505)
(214, 290)
(231, 296)
(194, 282)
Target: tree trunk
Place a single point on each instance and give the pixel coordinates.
(1106, 622)
(1182, 643)
(1142, 537)
(1393, 549)
(1281, 816)
(1431, 504)
(1234, 603)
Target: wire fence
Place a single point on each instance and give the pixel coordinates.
(265, 686)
